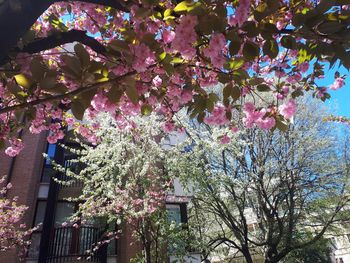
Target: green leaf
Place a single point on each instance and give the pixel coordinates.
(131, 90)
(57, 23)
(37, 68)
(303, 56)
(119, 45)
(78, 109)
(142, 12)
(162, 56)
(13, 88)
(2, 144)
(281, 124)
(297, 93)
(330, 27)
(234, 46)
(60, 88)
(176, 60)
(231, 91)
(72, 66)
(270, 48)
(224, 77)
(48, 83)
(167, 13)
(86, 97)
(146, 109)
(23, 81)
(114, 94)
(250, 28)
(236, 64)
(263, 88)
(186, 6)
(288, 42)
(250, 51)
(82, 54)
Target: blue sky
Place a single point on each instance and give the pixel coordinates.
(340, 98)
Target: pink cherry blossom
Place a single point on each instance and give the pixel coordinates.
(241, 14)
(225, 139)
(288, 109)
(15, 148)
(217, 116)
(338, 83)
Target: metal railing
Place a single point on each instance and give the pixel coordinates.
(68, 244)
(70, 182)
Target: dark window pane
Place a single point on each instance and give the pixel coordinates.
(33, 251)
(112, 247)
(174, 213)
(64, 211)
(51, 150)
(48, 172)
(40, 212)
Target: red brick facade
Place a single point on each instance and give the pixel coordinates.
(24, 172)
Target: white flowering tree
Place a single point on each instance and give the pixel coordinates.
(125, 183)
(266, 193)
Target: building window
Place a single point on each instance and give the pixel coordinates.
(177, 213)
(33, 251)
(40, 212)
(34, 248)
(64, 210)
(48, 170)
(174, 213)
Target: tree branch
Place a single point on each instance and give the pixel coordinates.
(62, 38)
(63, 96)
(116, 4)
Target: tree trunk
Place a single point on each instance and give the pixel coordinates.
(247, 255)
(16, 18)
(148, 256)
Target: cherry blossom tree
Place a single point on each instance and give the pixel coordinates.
(61, 59)
(13, 233)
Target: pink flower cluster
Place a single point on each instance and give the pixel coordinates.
(257, 117)
(143, 57)
(56, 133)
(225, 139)
(15, 148)
(88, 133)
(288, 109)
(217, 116)
(338, 83)
(12, 232)
(185, 36)
(241, 14)
(214, 50)
(168, 36)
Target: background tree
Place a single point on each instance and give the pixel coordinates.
(318, 252)
(259, 192)
(135, 57)
(125, 185)
(13, 233)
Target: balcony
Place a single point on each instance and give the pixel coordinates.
(71, 244)
(71, 187)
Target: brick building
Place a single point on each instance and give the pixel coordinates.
(31, 177)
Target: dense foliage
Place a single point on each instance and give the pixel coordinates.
(134, 57)
(266, 193)
(126, 186)
(13, 233)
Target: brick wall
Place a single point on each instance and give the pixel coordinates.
(25, 179)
